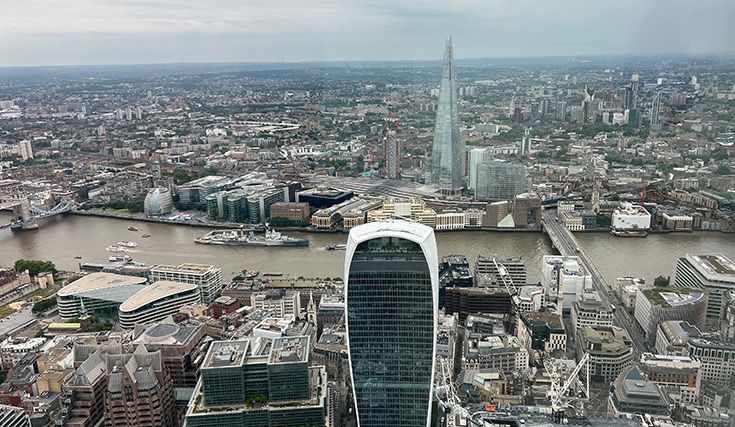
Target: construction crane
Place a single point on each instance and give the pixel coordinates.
(505, 277)
(570, 395)
(446, 394)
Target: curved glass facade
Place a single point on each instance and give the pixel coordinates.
(391, 321)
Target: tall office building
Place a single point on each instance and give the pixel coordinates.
(26, 151)
(656, 110)
(561, 110)
(526, 141)
(391, 310)
(475, 157)
(446, 158)
(713, 272)
(500, 181)
(392, 155)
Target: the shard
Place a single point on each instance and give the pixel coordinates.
(446, 158)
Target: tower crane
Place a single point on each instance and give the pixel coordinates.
(570, 395)
(505, 277)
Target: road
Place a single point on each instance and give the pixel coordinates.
(17, 321)
(567, 245)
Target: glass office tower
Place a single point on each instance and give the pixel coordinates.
(391, 299)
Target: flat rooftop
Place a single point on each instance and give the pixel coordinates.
(99, 281)
(673, 297)
(224, 354)
(185, 268)
(290, 349)
(718, 263)
(155, 292)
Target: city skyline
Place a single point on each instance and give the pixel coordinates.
(93, 32)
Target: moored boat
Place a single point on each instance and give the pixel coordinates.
(621, 232)
(248, 238)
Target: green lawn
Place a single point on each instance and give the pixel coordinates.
(43, 293)
(6, 311)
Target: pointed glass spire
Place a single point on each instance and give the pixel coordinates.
(446, 158)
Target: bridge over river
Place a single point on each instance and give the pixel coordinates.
(564, 241)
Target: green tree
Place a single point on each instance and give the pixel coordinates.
(34, 267)
(661, 281)
(181, 176)
(723, 170)
(43, 305)
(280, 221)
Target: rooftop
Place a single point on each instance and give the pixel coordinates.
(226, 354)
(673, 297)
(717, 263)
(100, 281)
(185, 268)
(155, 292)
(290, 349)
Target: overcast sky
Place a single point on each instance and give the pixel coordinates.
(72, 32)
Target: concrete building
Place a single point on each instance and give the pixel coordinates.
(155, 302)
(591, 310)
(717, 358)
(467, 301)
(714, 273)
(564, 279)
(609, 349)
(656, 305)
(259, 383)
(496, 350)
(629, 217)
(633, 394)
(208, 278)
(678, 376)
(531, 299)
(626, 289)
(390, 266)
(246, 203)
(99, 293)
(487, 274)
(12, 350)
(542, 332)
(26, 151)
(282, 302)
(672, 337)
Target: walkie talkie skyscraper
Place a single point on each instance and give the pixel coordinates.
(391, 297)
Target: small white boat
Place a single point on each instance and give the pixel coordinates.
(127, 244)
(119, 258)
(116, 248)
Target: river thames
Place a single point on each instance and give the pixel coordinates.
(62, 238)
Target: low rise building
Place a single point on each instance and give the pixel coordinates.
(717, 358)
(208, 278)
(99, 293)
(629, 217)
(281, 301)
(626, 289)
(564, 279)
(296, 212)
(155, 302)
(672, 337)
(678, 376)
(633, 394)
(12, 350)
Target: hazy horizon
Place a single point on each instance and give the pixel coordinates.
(98, 32)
